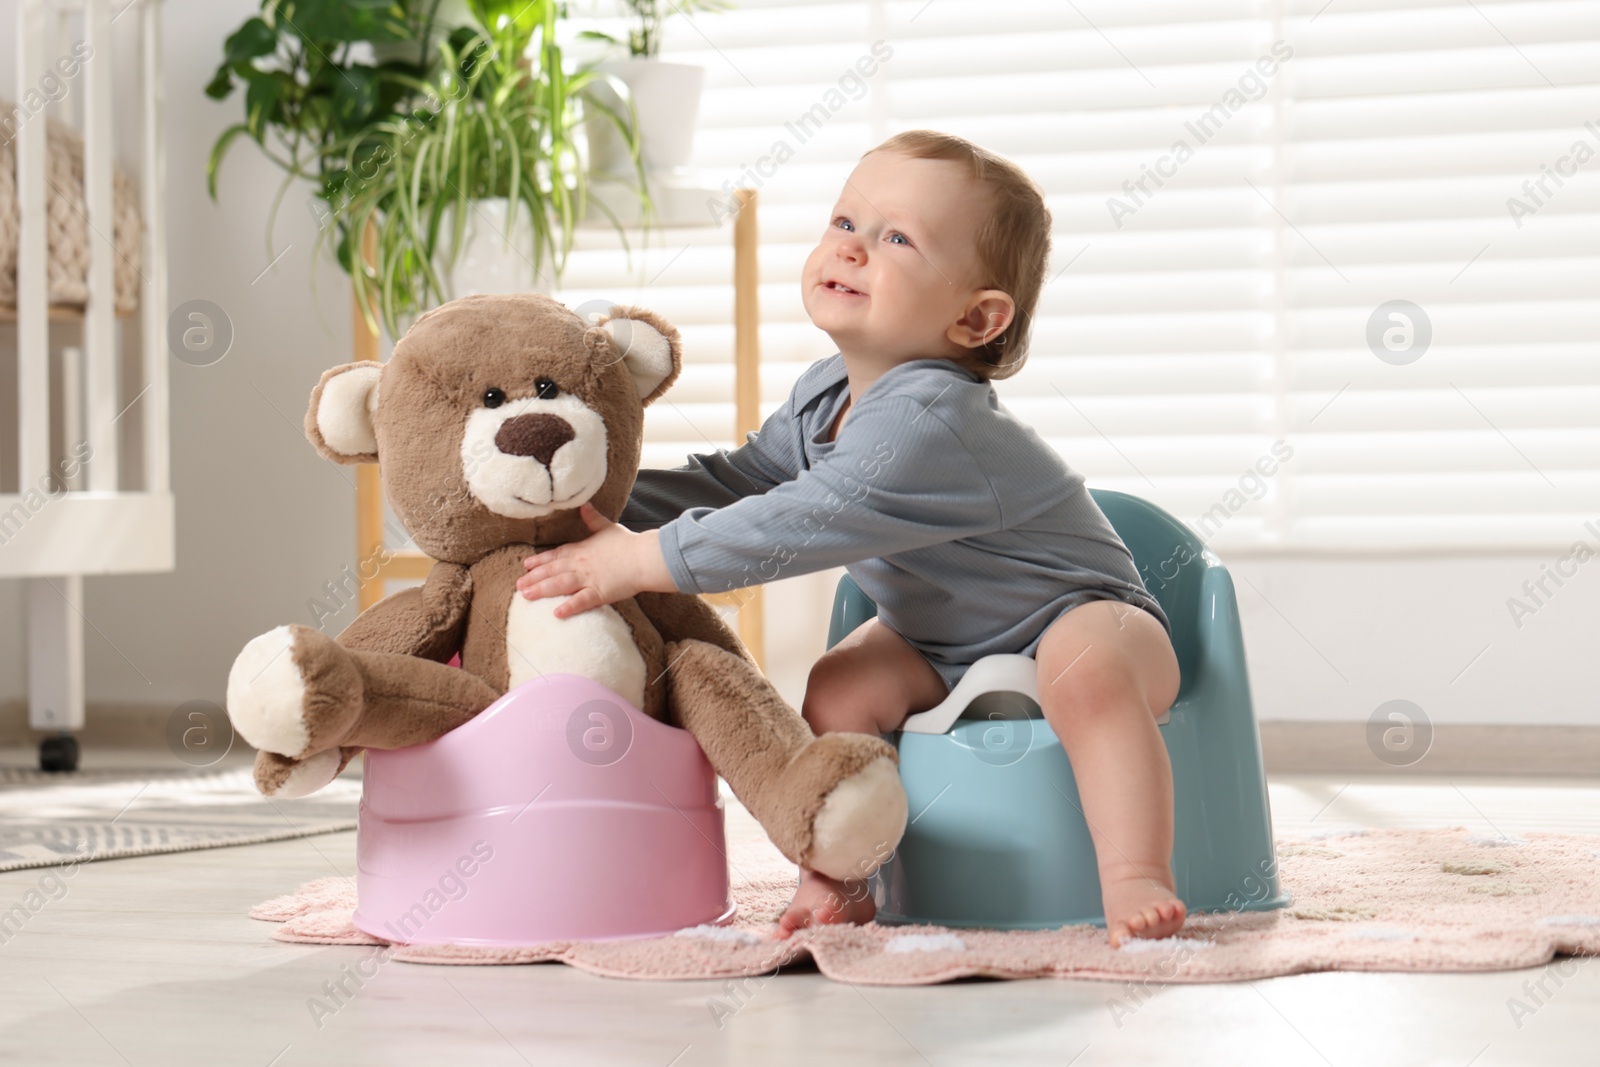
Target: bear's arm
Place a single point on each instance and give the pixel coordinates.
(425, 621)
(679, 616)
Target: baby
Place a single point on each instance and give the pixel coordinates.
(896, 459)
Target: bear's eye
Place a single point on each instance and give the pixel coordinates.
(494, 398)
(545, 389)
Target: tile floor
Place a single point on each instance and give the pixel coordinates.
(152, 961)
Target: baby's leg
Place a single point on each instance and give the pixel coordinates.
(1106, 670)
(867, 683)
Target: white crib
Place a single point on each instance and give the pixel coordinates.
(110, 516)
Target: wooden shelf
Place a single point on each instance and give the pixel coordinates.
(414, 566)
(404, 567)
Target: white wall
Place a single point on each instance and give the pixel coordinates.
(1333, 639)
(263, 522)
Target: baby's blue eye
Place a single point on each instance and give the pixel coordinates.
(901, 236)
(844, 222)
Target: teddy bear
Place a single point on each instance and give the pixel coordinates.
(496, 418)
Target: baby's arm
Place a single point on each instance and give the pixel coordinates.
(768, 457)
(898, 478)
(614, 563)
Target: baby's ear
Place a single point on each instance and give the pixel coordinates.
(645, 342)
(339, 421)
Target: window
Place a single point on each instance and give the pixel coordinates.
(1326, 275)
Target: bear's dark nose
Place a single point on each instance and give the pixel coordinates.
(534, 435)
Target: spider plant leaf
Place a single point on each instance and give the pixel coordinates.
(219, 150)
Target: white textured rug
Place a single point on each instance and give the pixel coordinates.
(52, 819)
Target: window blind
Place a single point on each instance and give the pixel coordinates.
(1326, 275)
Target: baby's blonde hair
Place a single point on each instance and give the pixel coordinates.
(1013, 242)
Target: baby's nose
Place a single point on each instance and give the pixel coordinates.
(534, 435)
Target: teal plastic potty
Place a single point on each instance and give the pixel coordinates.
(996, 836)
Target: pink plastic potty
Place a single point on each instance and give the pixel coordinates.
(559, 813)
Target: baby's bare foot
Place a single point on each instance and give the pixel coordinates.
(1140, 907)
(821, 900)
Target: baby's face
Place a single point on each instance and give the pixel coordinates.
(903, 237)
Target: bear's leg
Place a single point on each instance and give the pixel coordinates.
(832, 804)
(280, 776)
(410, 700)
(296, 692)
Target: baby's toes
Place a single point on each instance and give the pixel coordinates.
(790, 921)
(828, 910)
(1170, 920)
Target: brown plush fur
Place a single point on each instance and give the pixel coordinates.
(384, 682)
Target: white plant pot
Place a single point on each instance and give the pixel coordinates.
(667, 98)
(487, 261)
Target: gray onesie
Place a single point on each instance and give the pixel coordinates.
(960, 522)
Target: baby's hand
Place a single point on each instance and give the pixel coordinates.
(611, 564)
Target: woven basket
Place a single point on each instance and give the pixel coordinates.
(69, 233)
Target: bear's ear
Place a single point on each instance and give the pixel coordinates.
(339, 421)
(646, 343)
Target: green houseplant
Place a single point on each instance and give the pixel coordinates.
(469, 105)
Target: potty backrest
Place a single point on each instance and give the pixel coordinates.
(1171, 561)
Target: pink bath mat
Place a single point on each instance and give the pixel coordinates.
(1364, 900)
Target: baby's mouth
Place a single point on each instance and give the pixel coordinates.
(840, 287)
